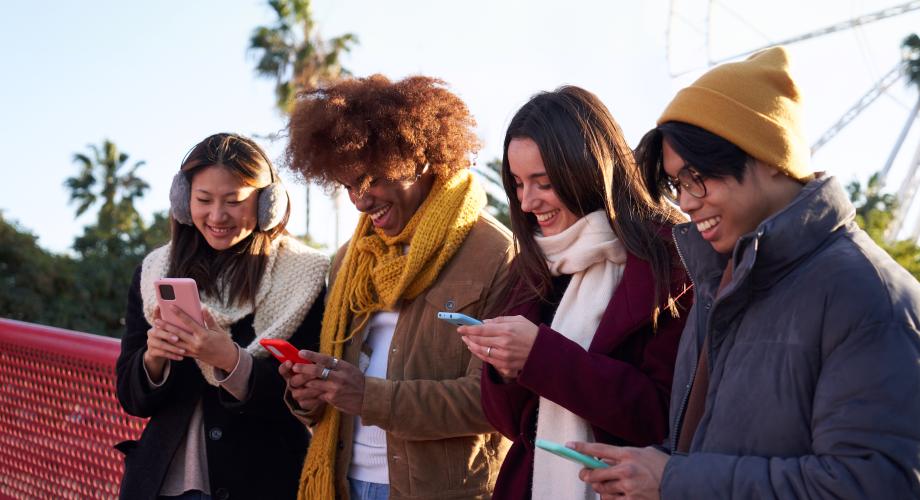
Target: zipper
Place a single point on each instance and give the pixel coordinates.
(680, 412)
(708, 320)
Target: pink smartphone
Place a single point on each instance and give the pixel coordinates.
(181, 292)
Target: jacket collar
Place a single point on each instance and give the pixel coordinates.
(779, 243)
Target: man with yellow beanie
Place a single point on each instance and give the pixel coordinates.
(798, 372)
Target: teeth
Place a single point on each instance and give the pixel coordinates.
(545, 216)
(708, 224)
(379, 213)
(220, 230)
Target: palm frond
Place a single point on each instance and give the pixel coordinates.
(910, 53)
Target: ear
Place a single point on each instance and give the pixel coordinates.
(767, 169)
(180, 193)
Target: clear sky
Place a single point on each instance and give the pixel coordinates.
(157, 77)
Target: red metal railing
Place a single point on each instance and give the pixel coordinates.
(59, 416)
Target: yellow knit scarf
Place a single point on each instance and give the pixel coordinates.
(374, 276)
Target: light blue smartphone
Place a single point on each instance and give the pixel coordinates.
(458, 319)
(570, 454)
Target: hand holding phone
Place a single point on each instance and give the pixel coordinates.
(458, 319)
(181, 292)
(570, 454)
(283, 351)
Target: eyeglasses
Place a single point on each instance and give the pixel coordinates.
(367, 182)
(688, 180)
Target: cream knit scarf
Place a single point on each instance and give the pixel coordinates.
(595, 257)
(294, 275)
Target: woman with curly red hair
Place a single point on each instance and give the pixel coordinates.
(393, 396)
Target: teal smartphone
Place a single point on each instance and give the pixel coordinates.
(570, 454)
(458, 319)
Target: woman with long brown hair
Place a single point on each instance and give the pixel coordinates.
(586, 348)
(218, 425)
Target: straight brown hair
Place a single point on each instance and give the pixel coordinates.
(231, 275)
(590, 167)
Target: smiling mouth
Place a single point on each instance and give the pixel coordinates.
(220, 231)
(707, 224)
(546, 216)
(379, 213)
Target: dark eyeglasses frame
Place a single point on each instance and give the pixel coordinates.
(688, 179)
(376, 181)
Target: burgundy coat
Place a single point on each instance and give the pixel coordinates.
(621, 385)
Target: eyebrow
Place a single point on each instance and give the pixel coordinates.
(228, 193)
(533, 176)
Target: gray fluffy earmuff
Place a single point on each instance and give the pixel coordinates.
(273, 201)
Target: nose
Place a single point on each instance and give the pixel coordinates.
(529, 201)
(362, 202)
(217, 213)
(687, 202)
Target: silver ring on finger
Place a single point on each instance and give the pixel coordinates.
(325, 374)
(489, 352)
(335, 363)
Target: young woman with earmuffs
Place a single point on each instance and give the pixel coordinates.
(218, 425)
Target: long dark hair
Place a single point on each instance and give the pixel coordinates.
(590, 168)
(232, 275)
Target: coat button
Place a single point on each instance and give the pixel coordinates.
(341, 445)
(215, 434)
(449, 305)
(222, 494)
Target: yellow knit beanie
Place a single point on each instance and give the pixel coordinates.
(755, 105)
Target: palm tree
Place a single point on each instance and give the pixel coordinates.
(293, 54)
(910, 55)
(497, 201)
(106, 177)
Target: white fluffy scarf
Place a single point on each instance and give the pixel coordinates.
(595, 257)
(294, 275)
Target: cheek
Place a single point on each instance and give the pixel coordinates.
(247, 213)
(198, 210)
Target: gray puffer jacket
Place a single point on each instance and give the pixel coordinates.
(814, 387)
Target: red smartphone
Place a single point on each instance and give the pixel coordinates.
(283, 351)
(181, 292)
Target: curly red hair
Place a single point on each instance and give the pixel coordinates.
(372, 128)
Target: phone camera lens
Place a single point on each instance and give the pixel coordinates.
(167, 293)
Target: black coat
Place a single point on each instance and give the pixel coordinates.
(255, 448)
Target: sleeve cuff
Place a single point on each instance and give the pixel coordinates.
(305, 417)
(238, 380)
(156, 385)
(378, 398)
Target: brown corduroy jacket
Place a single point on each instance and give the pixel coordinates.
(439, 443)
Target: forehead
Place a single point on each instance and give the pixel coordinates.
(524, 158)
(350, 178)
(218, 178)
(671, 162)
